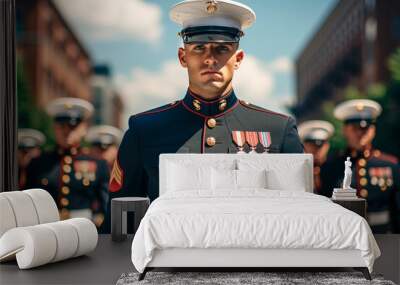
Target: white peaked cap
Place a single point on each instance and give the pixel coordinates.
(226, 13)
(315, 130)
(362, 109)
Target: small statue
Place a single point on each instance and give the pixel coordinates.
(346, 192)
(347, 174)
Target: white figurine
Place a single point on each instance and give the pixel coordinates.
(347, 174)
(346, 192)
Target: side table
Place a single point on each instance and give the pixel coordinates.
(119, 209)
(358, 205)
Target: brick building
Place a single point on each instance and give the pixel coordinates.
(107, 101)
(351, 47)
(55, 61)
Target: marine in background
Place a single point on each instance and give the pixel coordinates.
(315, 135)
(104, 141)
(77, 181)
(375, 173)
(30, 144)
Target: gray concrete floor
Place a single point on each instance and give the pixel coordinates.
(106, 264)
(102, 266)
(389, 262)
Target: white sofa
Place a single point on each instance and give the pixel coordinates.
(31, 233)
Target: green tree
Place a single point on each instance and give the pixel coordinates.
(29, 116)
(388, 124)
(394, 65)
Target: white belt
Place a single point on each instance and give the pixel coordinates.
(82, 213)
(378, 218)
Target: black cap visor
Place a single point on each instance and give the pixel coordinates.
(72, 121)
(211, 34)
(317, 142)
(362, 123)
(101, 145)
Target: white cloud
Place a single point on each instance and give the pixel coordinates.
(110, 19)
(143, 89)
(281, 65)
(253, 82)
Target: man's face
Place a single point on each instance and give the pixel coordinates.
(26, 155)
(357, 137)
(210, 65)
(67, 135)
(109, 154)
(319, 152)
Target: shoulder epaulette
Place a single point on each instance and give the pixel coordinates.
(257, 108)
(386, 156)
(160, 109)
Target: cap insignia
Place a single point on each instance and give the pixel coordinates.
(211, 7)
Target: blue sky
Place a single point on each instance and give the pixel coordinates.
(140, 43)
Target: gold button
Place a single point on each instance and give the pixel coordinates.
(362, 162)
(86, 182)
(64, 202)
(74, 151)
(363, 181)
(211, 123)
(45, 181)
(67, 168)
(367, 153)
(196, 104)
(210, 141)
(66, 179)
(65, 190)
(68, 159)
(78, 175)
(363, 193)
(222, 105)
(362, 172)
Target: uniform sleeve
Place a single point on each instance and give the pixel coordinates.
(31, 175)
(396, 201)
(291, 141)
(331, 174)
(102, 187)
(127, 176)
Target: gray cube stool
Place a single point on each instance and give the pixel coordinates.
(119, 209)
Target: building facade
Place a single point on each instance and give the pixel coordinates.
(106, 100)
(54, 59)
(351, 47)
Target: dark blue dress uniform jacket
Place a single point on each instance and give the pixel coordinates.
(75, 181)
(376, 176)
(191, 125)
